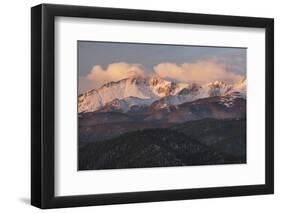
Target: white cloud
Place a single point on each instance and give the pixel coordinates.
(98, 76)
(200, 72)
(204, 71)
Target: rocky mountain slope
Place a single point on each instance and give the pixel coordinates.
(202, 142)
(147, 148)
(142, 122)
(136, 93)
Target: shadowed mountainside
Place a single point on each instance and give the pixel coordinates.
(141, 122)
(147, 148)
(179, 146)
(227, 136)
(96, 126)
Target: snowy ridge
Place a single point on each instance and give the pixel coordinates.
(193, 92)
(137, 92)
(145, 88)
(218, 88)
(126, 104)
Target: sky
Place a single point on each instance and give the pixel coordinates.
(102, 62)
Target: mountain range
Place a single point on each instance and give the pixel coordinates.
(141, 102)
(148, 121)
(137, 92)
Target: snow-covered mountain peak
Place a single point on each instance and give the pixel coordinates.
(143, 87)
(218, 85)
(218, 88)
(141, 91)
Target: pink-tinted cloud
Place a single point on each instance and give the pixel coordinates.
(201, 72)
(98, 76)
(204, 71)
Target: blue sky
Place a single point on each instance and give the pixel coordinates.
(94, 59)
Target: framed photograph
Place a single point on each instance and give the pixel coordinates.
(139, 106)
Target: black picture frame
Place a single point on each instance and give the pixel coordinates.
(43, 117)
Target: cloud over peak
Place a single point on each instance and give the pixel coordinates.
(114, 72)
(203, 71)
(98, 76)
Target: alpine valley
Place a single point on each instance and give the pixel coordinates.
(148, 121)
